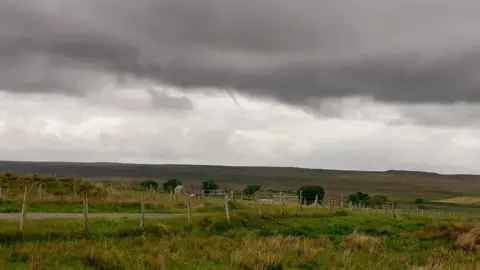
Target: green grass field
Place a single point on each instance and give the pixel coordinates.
(331, 240)
(438, 234)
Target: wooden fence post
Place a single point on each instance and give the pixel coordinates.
(40, 191)
(350, 206)
(301, 202)
(316, 204)
(281, 203)
(257, 205)
(189, 211)
(227, 210)
(23, 214)
(85, 211)
(394, 215)
(142, 210)
(341, 201)
(152, 192)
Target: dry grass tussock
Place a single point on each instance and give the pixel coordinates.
(468, 240)
(103, 256)
(361, 241)
(265, 252)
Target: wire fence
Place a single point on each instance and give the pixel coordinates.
(300, 204)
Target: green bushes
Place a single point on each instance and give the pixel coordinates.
(171, 184)
(249, 190)
(420, 201)
(365, 199)
(309, 193)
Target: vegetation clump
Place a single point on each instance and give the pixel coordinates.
(171, 184)
(310, 193)
(249, 190)
(149, 184)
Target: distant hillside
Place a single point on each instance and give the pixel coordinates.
(336, 181)
(412, 172)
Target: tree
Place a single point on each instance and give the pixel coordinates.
(171, 185)
(249, 190)
(209, 186)
(358, 197)
(376, 200)
(420, 201)
(309, 194)
(149, 183)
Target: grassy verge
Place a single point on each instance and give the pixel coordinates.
(331, 240)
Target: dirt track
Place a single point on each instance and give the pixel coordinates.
(14, 216)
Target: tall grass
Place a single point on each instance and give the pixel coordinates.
(331, 240)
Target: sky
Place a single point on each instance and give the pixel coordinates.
(355, 85)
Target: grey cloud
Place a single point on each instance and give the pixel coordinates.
(455, 115)
(292, 51)
(165, 101)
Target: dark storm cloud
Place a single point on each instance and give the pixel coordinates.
(292, 51)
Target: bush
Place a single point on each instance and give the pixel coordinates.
(310, 192)
(149, 183)
(209, 186)
(249, 190)
(419, 201)
(358, 198)
(376, 200)
(171, 185)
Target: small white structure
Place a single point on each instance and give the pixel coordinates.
(266, 200)
(179, 190)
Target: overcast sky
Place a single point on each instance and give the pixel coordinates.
(365, 85)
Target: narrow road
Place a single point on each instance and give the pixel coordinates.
(16, 216)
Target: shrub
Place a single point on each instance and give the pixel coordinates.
(149, 183)
(309, 193)
(358, 197)
(171, 185)
(376, 200)
(209, 186)
(249, 190)
(419, 201)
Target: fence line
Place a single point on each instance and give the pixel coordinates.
(388, 208)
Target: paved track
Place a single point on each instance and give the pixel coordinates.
(14, 216)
